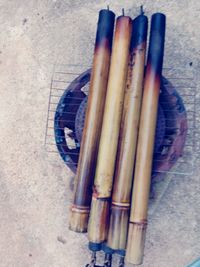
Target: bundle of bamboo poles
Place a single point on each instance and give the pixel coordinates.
(112, 183)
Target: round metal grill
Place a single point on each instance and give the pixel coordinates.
(171, 127)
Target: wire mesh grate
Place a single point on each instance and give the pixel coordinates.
(182, 80)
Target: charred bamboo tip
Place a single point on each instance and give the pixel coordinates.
(123, 13)
(141, 10)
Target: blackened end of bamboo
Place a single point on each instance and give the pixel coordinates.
(105, 28)
(139, 32)
(156, 44)
(158, 23)
(136, 243)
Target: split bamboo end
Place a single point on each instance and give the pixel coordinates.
(79, 221)
(136, 242)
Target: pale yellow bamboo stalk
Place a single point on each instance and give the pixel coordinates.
(121, 196)
(93, 123)
(143, 168)
(110, 131)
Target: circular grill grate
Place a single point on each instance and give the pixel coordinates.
(171, 127)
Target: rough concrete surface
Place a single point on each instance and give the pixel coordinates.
(34, 192)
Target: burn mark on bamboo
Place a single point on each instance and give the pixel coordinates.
(156, 43)
(139, 33)
(156, 52)
(152, 79)
(104, 34)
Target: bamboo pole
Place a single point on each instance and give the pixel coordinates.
(121, 196)
(143, 168)
(98, 222)
(93, 123)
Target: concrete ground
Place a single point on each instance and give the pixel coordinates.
(35, 192)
